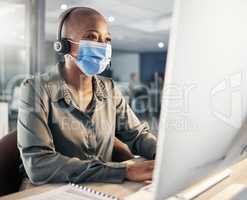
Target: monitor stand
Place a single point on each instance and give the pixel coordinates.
(203, 186)
(146, 193)
(232, 192)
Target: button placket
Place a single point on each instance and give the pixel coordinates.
(90, 136)
(92, 140)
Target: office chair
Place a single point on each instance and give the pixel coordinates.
(10, 178)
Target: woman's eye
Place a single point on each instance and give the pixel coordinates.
(93, 37)
(108, 40)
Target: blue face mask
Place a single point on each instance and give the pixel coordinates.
(93, 57)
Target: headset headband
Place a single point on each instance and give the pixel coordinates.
(61, 22)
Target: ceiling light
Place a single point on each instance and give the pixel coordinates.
(63, 6)
(161, 45)
(111, 19)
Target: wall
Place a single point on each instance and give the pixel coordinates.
(12, 66)
(13, 63)
(124, 63)
(50, 55)
(150, 63)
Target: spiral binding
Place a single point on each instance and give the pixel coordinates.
(92, 191)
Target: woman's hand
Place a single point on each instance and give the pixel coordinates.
(139, 170)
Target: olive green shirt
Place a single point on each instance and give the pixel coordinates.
(60, 143)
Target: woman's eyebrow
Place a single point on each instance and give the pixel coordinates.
(94, 30)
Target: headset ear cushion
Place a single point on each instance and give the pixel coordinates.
(66, 46)
(62, 46)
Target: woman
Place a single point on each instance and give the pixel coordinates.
(69, 118)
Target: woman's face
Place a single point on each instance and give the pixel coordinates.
(91, 27)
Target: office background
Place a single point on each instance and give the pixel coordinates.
(140, 32)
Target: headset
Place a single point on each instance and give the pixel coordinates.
(62, 45)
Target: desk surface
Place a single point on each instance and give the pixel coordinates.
(239, 176)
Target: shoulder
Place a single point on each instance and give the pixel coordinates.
(107, 84)
(44, 78)
(39, 84)
(110, 89)
(106, 81)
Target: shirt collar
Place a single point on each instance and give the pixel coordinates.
(59, 89)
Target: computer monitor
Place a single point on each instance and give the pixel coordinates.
(203, 125)
(204, 107)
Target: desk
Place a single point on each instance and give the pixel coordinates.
(119, 190)
(239, 175)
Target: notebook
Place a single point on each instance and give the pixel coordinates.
(72, 191)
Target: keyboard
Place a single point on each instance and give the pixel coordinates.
(148, 188)
(145, 193)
